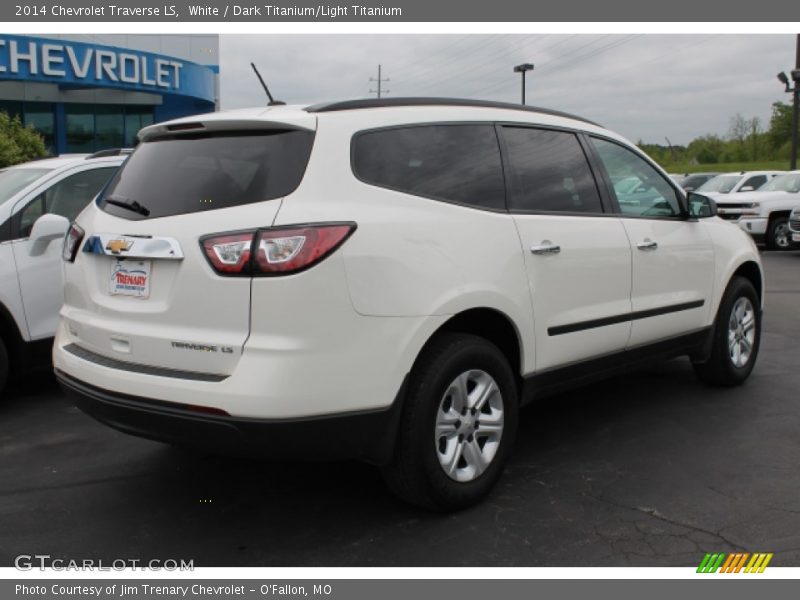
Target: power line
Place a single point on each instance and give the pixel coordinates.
(492, 57)
(571, 63)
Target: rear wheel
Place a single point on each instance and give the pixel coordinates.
(737, 336)
(3, 365)
(779, 236)
(458, 424)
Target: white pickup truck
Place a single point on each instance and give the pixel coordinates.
(764, 213)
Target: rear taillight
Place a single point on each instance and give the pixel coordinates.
(276, 250)
(229, 254)
(289, 250)
(72, 242)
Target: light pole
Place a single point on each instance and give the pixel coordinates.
(795, 91)
(523, 68)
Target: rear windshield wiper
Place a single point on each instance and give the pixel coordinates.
(133, 206)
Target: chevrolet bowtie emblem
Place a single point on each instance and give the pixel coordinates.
(118, 246)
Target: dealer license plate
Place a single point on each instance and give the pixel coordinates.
(131, 278)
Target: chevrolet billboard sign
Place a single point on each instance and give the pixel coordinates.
(75, 64)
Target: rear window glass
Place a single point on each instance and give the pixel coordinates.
(453, 163)
(193, 173)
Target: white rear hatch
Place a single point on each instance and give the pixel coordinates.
(142, 289)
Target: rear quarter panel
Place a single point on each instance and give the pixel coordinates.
(411, 256)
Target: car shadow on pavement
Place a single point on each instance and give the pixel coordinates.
(607, 474)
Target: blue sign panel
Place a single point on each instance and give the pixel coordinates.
(75, 64)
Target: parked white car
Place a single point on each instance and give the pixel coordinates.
(37, 202)
(733, 183)
(764, 214)
(388, 280)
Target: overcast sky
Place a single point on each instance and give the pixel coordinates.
(644, 86)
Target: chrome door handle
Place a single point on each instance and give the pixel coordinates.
(546, 247)
(647, 244)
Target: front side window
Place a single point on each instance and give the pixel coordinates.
(66, 198)
(755, 182)
(550, 172)
(653, 197)
(452, 163)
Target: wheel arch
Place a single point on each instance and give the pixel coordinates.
(492, 325)
(751, 271)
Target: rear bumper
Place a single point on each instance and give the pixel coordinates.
(367, 436)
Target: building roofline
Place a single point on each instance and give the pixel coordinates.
(425, 101)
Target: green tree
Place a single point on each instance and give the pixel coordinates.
(18, 143)
(780, 127)
(707, 149)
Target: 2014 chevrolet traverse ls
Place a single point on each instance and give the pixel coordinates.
(390, 281)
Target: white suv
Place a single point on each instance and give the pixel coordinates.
(388, 280)
(37, 202)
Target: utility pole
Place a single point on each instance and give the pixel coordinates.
(795, 91)
(796, 104)
(379, 81)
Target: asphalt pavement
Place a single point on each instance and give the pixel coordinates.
(652, 468)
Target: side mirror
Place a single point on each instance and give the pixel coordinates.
(701, 207)
(47, 228)
(747, 188)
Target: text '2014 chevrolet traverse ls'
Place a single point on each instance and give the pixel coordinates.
(389, 281)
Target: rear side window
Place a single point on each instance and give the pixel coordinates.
(453, 163)
(193, 173)
(549, 172)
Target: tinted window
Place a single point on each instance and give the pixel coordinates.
(549, 172)
(194, 173)
(653, 197)
(756, 181)
(454, 163)
(67, 198)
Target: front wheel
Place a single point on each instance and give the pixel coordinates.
(779, 236)
(737, 336)
(458, 425)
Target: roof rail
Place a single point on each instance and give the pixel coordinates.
(394, 102)
(110, 152)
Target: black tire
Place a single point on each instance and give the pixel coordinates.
(415, 474)
(3, 367)
(779, 236)
(721, 368)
